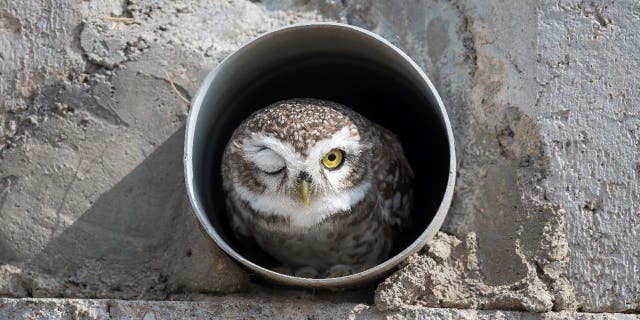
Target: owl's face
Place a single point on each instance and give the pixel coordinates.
(302, 163)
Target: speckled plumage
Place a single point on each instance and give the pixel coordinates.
(353, 208)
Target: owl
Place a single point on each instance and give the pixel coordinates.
(318, 186)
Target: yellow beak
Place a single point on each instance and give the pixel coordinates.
(304, 192)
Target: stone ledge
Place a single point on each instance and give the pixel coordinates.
(232, 307)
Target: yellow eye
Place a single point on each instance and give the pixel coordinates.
(333, 158)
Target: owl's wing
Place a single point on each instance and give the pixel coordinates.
(394, 180)
(237, 223)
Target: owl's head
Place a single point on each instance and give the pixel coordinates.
(303, 159)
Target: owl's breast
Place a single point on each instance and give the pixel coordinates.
(355, 237)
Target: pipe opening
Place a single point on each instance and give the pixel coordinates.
(354, 72)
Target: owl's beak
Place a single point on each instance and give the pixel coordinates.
(304, 192)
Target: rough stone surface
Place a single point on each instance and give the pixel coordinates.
(590, 119)
(240, 307)
(449, 275)
(548, 183)
(542, 96)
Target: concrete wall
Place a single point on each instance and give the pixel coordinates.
(543, 97)
(240, 307)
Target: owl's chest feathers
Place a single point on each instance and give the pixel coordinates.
(355, 237)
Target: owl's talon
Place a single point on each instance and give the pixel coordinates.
(282, 270)
(306, 272)
(363, 267)
(339, 270)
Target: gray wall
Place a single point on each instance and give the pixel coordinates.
(543, 97)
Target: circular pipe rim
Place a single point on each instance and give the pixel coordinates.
(349, 280)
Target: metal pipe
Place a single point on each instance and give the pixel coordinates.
(332, 61)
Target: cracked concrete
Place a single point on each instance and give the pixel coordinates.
(449, 275)
(542, 99)
(242, 307)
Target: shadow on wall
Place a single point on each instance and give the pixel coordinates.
(138, 240)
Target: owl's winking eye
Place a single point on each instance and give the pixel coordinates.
(268, 161)
(333, 159)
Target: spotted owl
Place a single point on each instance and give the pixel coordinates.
(318, 186)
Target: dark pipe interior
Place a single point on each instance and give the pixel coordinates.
(378, 93)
